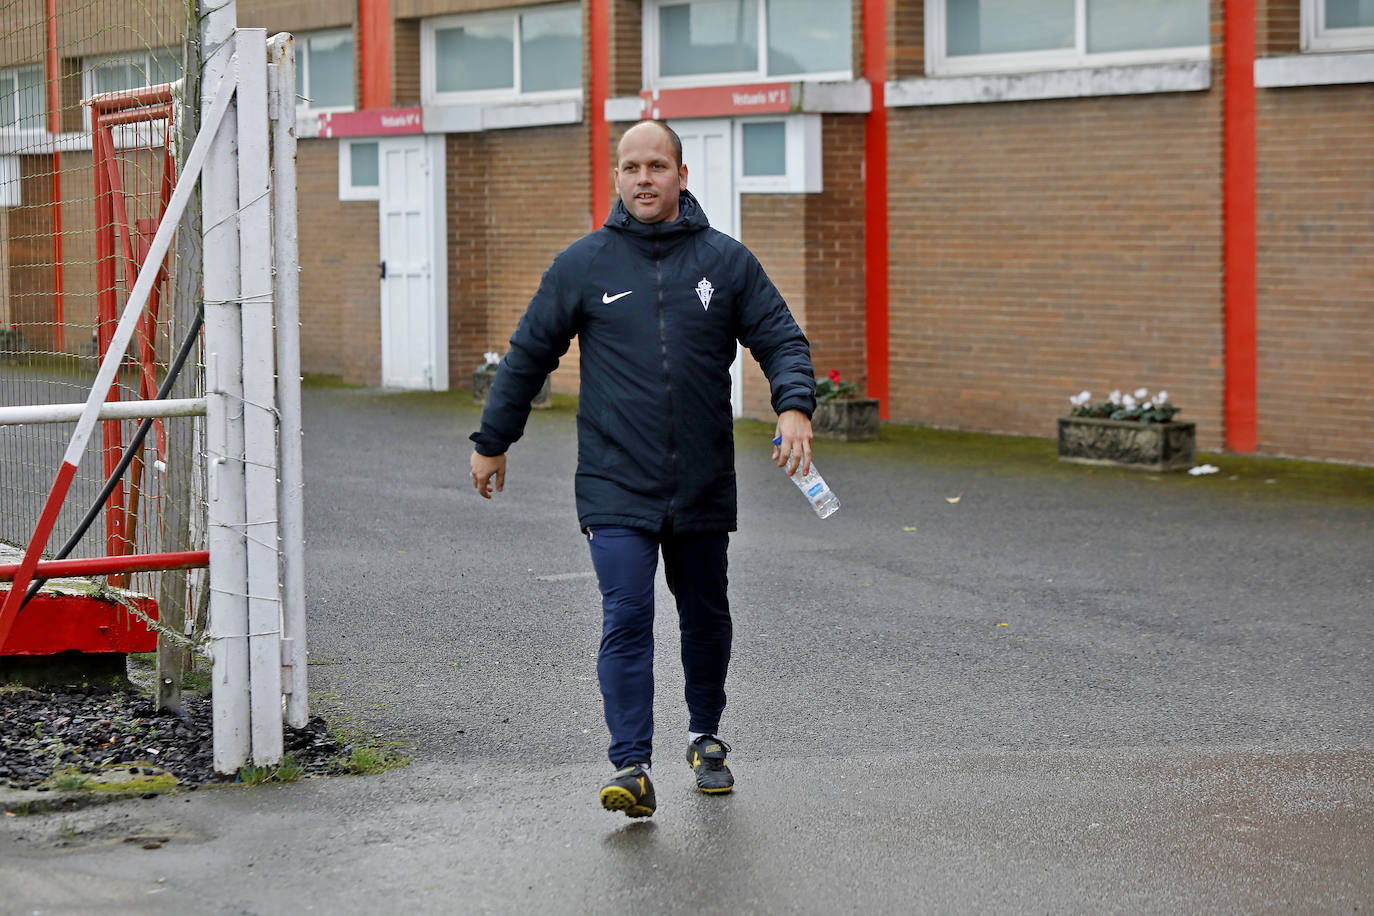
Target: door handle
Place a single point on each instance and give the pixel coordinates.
(382, 265)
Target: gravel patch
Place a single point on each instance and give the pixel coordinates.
(90, 731)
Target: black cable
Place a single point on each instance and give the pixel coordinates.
(130, 451)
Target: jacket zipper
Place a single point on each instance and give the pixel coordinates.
(667, 377)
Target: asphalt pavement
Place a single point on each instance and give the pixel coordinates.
(990, 683)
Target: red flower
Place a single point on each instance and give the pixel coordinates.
(835, 376)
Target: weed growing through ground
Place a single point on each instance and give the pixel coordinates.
(286, 771)
(369, 759)
(70, 781)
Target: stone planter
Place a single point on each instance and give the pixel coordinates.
(846, 419)
(481, 384)
(1121, 443)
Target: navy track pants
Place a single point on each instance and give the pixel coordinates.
(694, 565)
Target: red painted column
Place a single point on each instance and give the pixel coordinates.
(54, 100)
(875, 204)
(599, 91)
(1239, 180)
(374, 54)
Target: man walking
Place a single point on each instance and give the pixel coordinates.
(657, 300)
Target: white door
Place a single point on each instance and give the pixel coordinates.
(414, 300)
(708, 152)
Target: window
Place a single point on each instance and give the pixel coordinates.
(992, 36)
(359, 170)
(528, 52)
(1337, 25)
(778, 154)
(22, 99)
(763, 149)
(127, 70)
(691, 42)
(131, 70)
(324, 71)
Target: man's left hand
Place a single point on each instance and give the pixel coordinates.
(794, 452)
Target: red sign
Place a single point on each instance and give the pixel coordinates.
(373, 122)
(708, 101)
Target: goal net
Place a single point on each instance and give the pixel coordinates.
(79, 203)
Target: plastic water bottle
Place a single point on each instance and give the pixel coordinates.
(820, 496)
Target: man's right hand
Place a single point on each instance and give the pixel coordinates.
(484, 468)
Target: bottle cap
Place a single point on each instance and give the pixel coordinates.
(777, 440)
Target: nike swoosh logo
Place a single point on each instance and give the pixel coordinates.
(607, 298)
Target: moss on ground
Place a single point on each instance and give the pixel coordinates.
(1240, 475)
(1245, 476)
(316, 380)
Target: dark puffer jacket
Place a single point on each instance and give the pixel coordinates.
(657, 309)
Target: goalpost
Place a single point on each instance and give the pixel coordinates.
(242, 164)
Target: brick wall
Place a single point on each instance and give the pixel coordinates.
(1040, 248)
(79, 306)
(85, 28)
(416, 9)
(811, 245)
(31, 279)
(295, 15)
(774, 226)
(516, 199)
(1316, 271)
(1278, 27)
(70, 90)
(405, 62)
(835, 254)
(467, 219)
(626, 63)
(31, 256)
(856, 35)
(339, 248)
(906, 50)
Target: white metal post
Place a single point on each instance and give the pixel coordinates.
(259, 399)
(282, 100)
(224, 405)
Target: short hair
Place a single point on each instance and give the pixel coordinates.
(673, 139)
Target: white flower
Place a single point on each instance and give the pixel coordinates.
(1083, 397)
(1115, 396)
(1142, 393)
(492, 357)
(1127, 402)
(1161, 398)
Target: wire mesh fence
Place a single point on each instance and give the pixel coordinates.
(81, 195)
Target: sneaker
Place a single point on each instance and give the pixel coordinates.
(630, 791)
(706, 757)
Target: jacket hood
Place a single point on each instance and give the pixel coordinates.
(690, 218)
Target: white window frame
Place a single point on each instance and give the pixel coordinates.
(803, 170)
(650, 58)
(9, 84)
(9, 190)
(431, 96)
(303, 103)
(347, 189)
(1317, 37)
(91, 63)
(128, 134)
(939, 63)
